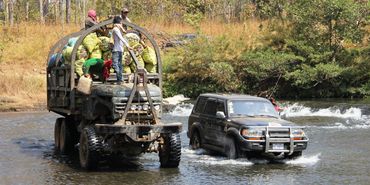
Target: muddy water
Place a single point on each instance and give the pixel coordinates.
(338, 153)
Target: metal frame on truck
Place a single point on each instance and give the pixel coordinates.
(63, 83)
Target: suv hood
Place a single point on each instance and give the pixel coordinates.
(261, 122)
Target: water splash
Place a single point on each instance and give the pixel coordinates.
(298, 110)
(305, 160)
(182, 110)
(202, 156)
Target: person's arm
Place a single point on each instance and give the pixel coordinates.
(119, 35)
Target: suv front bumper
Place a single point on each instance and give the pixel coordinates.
(260, 146)
(271, 144)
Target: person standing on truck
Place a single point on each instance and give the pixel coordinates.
(119, 43)
(97, 67)
(124, 13)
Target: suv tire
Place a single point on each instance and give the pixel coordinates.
(231, 150)
(195, 141)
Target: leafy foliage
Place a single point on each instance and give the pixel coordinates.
(307, 58)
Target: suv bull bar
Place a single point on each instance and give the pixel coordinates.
(279, 135)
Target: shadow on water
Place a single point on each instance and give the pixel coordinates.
(45, 149)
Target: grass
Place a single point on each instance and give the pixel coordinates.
(26, 46)
(23, 62)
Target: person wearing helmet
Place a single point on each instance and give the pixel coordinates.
(124, 13)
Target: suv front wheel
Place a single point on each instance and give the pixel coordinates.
(231, 149)
(195, 142)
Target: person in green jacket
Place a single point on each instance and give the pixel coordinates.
(98, 67)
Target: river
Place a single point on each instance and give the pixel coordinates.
(338, 153)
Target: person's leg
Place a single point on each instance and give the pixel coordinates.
(120, 65)
(115, 58)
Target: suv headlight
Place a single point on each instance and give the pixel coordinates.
(252, 133)
(298, 134)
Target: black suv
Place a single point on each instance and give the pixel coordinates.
(243, 126)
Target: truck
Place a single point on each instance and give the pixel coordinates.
(114, 119)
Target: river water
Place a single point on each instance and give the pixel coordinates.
(338, 153)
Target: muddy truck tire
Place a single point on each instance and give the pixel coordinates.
(58, 123)
(89, 148)
(67, 136)
(170, 151)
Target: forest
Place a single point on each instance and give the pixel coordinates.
(292, 49)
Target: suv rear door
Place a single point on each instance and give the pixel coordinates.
(214, 126)
(208, 117)
(195, 116)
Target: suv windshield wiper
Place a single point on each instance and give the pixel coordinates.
(243, 115)
(265, 115)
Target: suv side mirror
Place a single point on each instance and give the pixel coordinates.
(220, 114)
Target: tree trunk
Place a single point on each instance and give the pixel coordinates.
(68, 11)
(61, 10)
(6, 12)
(76, 10)
(42, 20)
(46, 7)
(83, 16)
(11, 12)
(27, 10)
(56, 12)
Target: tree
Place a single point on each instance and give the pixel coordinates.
(42, 20)
(68, 11)
(11, 12)
(326, 24)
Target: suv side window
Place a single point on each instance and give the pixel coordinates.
(221, 106)
(211, 107)
(200, 105)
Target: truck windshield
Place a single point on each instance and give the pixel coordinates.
(249, 108)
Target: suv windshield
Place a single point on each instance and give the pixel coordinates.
(242, 108)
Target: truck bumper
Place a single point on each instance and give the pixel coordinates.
(139, 132)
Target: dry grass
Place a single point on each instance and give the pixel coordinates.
(23, 62)
(26, 46)
(247, 32)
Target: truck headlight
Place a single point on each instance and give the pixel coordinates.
(252, 133)
(133, 107)
(298, 134)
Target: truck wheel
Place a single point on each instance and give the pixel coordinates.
(90, 146)
(66, 140)
(195, 142)
(58, 123)
(231, 150)
(170, 151)
(295, 155)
